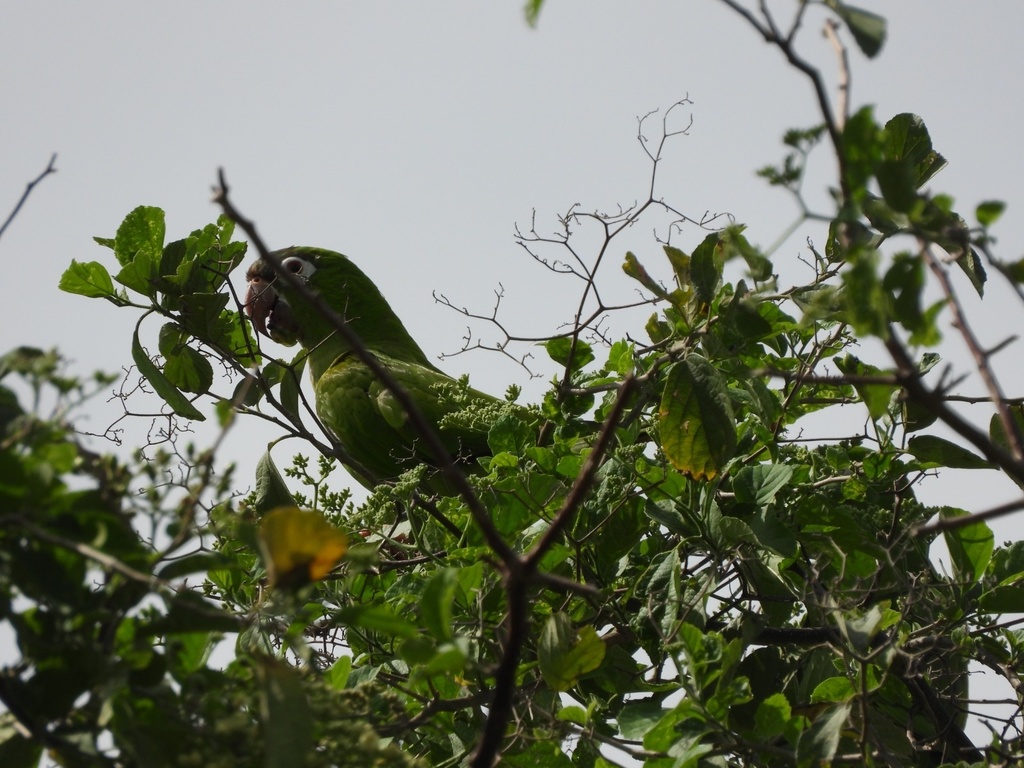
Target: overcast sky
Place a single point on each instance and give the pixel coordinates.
(415, 136)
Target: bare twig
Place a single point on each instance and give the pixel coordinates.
(105, 561)
(28, 191)
(952, 523)
(831, 33)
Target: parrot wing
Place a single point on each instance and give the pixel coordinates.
(371, 425)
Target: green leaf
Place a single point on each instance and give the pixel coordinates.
(573, 356)
(564, 655)
(868, 29)
(636, 270)
(680, 262)
(88, 278)
(1008, 563)
(285, 715)
(636, 718)
(662, 582)
(772, 716)
(970, 546)
(437, 601)
(934, 451)
(897, 180)
(1007, 598)
(163, 386)
(541, 754)
(908, 144)
(833, 689)
(337, 674)
(818, 744)
(698, 433)
(620, 358)
(759, 265)
(997, 431)
(417, 650)
(665, 513)
(905, 281)
(380, 618)
(862, 147)
(510, 434)
(989, 211)
(202, 314)
(197, 562)
(875, 396)
(706, 268)
(188, 653)
(140, 234)
(759, 484)
(271, 490)
(573, 714)
(187, 612)
(291, 384)
(184, 367)
(139, 275)
(449, 660)
(971, 264)
(657, 329)
(867, 304)
(532, 11)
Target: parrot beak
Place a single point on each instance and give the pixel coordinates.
(270, 313)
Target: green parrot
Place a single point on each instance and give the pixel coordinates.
(363, 417)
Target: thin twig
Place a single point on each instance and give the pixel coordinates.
(28, 191)
(843, 87)
(953, 523)
(105, 561)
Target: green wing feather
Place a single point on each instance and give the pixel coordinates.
(370, 423)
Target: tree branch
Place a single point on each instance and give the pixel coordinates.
(28, 191)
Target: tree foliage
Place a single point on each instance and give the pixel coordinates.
(666, 572)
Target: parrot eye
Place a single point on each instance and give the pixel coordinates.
(298, 266)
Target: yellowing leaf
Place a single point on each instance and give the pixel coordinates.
(695, 419)
(299, 546)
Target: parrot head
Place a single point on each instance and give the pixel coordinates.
(271, 314)
(278, 312)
